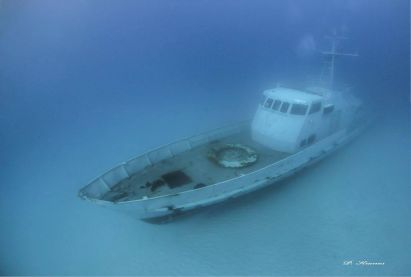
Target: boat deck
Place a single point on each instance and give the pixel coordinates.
(189, 170)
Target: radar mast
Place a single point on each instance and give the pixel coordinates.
(330, 57)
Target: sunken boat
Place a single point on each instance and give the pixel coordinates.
(291, 129)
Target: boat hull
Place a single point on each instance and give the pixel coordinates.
(168, 205)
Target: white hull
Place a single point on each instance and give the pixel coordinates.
(161, 206)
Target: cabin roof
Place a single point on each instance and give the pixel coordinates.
(292, 95)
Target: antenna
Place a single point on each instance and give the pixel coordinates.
(332, 53)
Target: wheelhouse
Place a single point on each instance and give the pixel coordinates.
(286, 117)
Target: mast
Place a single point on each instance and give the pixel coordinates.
(331, 54)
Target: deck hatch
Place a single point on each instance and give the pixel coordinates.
(176, 179)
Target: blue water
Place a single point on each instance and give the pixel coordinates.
(85, 85)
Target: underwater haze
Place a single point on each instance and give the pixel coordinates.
(87, 84)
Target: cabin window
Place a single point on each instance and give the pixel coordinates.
(328, 109)
(276, 105)
(268, 103)
(263, 98)
(315, 107)
(299, 109)
(284, 107)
